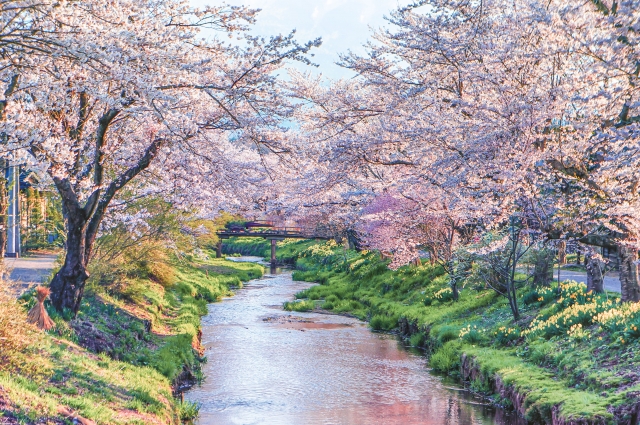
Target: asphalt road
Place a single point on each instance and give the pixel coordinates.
(611, 281)
(23, 273)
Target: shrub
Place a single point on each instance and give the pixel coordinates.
(539, 350)
(332, 299)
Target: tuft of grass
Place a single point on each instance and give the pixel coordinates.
(446, 358)
(417, 339)
(383, 323)
(188, 411)
(301, 306)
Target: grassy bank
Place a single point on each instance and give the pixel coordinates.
(287, 251)
(572, 357)
(133, 346)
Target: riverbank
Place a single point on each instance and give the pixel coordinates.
(133, 347)
(272, 367)
(572, 358)
(287, 252)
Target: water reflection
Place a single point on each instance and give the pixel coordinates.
(267, 366)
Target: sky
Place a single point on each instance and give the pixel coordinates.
(342, 24)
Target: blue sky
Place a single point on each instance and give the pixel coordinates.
(342, 24)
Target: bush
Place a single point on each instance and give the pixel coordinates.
(332, 299)
(539, 350)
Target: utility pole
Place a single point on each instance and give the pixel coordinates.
(13, 222)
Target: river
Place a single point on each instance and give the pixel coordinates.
(266, 366)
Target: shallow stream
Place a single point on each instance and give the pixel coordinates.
(269, 366)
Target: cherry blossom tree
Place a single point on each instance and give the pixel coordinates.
(134, 90)
(508, 108)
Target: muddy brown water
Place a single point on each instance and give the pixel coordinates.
(266, 366)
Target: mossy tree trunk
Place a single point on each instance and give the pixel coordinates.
(595, 279)
(562, 253)
(542, 267)
(629, 282)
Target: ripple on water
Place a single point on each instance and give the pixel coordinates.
(308, 369)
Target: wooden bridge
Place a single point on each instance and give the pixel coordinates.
(268, 231)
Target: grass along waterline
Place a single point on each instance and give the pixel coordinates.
(571, 357)
(133, 346)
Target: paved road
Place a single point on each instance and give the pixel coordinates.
(23, 273)
(611, 280)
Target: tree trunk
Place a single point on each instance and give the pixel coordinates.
(542, 268)
(595, 280)
(562, 252)
(629, 283)
(454, 291)
(67, 286)
(453, 278)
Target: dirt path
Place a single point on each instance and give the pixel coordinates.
(23, 273)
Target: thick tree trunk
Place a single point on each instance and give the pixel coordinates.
(67, 286)
(629, 282)
(82, 222)
(595, 280)
(562, 252)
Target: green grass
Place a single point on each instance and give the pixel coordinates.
(129, 379)
(286, 251)
(299, 305)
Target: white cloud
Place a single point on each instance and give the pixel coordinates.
(343, 24)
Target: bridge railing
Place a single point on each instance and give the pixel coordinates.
(297, 232)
